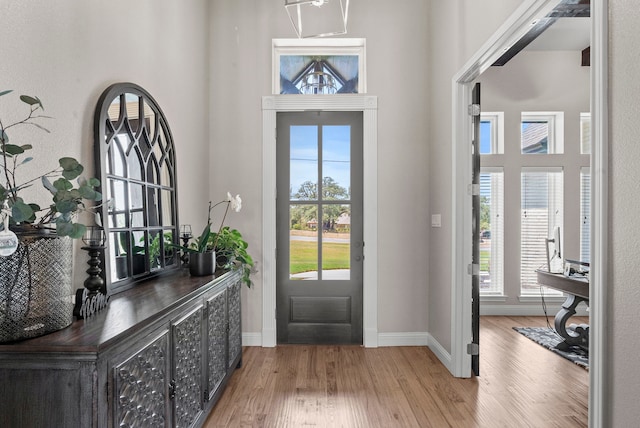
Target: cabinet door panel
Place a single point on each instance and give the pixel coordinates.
(217, 341)
(187, 365)
(235, 329)
(141, 386)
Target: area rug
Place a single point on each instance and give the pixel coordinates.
(549, 339)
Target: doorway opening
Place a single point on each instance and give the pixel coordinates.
(525, 16)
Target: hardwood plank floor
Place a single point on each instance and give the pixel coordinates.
(521, 385)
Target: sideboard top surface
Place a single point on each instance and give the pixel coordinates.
(127, 313)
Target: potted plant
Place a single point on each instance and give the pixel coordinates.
(67, 199)
(231, 252)
(202, 252)
(167, 249)
(35, 244)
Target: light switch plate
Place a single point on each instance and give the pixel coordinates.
(436, 220)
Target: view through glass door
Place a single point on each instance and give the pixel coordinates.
(319, 227)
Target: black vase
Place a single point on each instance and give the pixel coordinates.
(201, 264)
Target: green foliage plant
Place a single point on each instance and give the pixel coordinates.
(231, 250)
(68, 198)
(227, 243)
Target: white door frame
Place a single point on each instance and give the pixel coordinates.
(511, 31)
(367, 104)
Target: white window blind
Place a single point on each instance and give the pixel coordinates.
(492, 231)
(541, 212)
(585, 214)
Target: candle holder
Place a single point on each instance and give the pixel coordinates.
(185, 236)
(92, 297)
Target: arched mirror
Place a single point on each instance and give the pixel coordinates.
(135, 160)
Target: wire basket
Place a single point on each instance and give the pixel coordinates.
(36, 289)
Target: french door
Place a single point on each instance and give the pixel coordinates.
(319, 236)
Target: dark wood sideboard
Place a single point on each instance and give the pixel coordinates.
(159, 355)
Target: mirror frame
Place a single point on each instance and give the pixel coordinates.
(144, 140)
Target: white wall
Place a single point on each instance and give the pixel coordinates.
(67, 52)
(624, 222)
(457, 29)
(397, 72)
(545, 82)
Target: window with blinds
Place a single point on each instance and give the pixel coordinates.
(541, 211)
(492, 231)
(585, 214)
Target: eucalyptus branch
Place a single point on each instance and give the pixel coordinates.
(50, 174)
(28, 118)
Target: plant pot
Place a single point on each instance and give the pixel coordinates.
(201, 264)
(36, 292)
(139, 264)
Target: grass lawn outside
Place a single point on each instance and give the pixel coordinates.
(304, 256)
(485, 256)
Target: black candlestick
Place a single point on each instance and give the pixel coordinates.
(93, 296)
(94, 282)
(185, 235)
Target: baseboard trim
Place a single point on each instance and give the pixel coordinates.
(443, 355)
(403, 339)
(527, 310)
(252, 339)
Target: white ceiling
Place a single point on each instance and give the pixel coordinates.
(566, 34)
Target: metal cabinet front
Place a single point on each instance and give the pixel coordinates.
(217, 342)
(187, 380)
(141, 386)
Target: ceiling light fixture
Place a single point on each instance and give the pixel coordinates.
(318, 18)
(318, 82)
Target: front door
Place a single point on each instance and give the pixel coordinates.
(319, 227)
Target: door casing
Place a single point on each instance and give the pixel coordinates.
(367, 104)
(516, 25)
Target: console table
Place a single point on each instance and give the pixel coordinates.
(577, 290)
(159, 355)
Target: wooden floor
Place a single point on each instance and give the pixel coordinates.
(521, 385)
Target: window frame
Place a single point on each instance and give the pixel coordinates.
(555, 136)
(496, 119)
(318, 47)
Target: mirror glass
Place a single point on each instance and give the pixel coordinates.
(135, 159)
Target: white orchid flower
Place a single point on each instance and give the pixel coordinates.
(236, 203)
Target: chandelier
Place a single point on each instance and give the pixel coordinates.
(318, 18)
(318, 82)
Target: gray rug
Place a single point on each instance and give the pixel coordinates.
(549, 339)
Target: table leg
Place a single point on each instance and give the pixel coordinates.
(576, 335)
